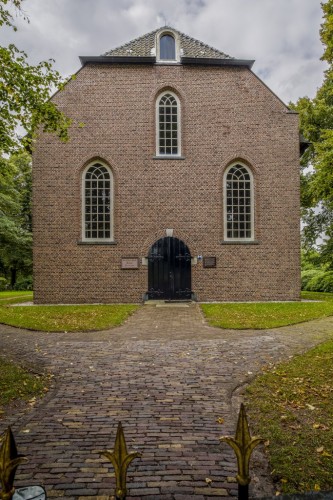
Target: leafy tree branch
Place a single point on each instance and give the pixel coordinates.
(316, 120)
(24, 94)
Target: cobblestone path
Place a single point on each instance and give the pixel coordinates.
(167, 376)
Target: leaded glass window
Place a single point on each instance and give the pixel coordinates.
(97, 203)
(238, 203)
(168, 125)
(167, 48)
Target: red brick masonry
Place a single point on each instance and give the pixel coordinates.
(227, 114)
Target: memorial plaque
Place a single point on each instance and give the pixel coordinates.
(130, 263)
(209, 262)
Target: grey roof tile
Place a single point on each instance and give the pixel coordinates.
(142, 47)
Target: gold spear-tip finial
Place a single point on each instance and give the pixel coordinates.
(120, 460)
(9, 461)
(243, 445)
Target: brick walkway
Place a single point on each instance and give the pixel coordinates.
(167, 376)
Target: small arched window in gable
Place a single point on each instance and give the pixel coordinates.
(238, 203)
(97, 198)
(168, 125)
(167, 48)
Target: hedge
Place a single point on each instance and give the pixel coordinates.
(317, 281)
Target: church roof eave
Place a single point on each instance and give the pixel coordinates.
(152, 60)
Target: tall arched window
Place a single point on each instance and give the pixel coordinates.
(238, 203)
(168, 125)
(167, 48)
(97, 198)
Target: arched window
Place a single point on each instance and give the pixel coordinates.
(167, 48)
(97, 200)
(238, 203)
(168, 125)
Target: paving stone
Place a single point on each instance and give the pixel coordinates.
(211, 492)
(168, 377)
(144, 491)
(98, 497)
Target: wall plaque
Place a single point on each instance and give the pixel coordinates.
(130, 263)
(209, 262)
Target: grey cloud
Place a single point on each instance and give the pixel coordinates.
(283, 36)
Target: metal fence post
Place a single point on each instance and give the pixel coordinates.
(243, 445)
(120, 460)
(9, 461)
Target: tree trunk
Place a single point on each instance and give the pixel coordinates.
(13, 272)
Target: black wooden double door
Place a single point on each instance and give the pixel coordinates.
(169, 270)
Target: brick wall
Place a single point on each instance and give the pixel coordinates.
(228, 114)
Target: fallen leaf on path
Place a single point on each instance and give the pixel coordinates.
(310, 407)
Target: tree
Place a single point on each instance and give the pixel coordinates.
(15, 215)
(24, 104)
(316, 119)
(24, 93)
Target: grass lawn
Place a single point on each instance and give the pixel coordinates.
(14, 298)
(25, 295)
(291, 407)
(269, 315)
(61, 318)
(99, 317)
(18, 384)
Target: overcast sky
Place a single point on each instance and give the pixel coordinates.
(281, 35)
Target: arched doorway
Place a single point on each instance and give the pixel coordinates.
(169, 270)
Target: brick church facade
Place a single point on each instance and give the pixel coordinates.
(180, 180)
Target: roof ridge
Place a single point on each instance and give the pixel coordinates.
(186, 38)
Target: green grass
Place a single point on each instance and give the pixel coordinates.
(18, 384)
(25, 295)
(14, 299)
(61, 318)
(269, 315)
(291, 408)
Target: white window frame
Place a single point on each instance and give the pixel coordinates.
(157, 120)
(158, 47)
(225, 214)
(83, 196)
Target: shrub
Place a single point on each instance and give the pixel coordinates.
(315, 283)
(307, 275)
(327, 282)
(3, 283)
(320, 281)
(24, 283)
(311, 259)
